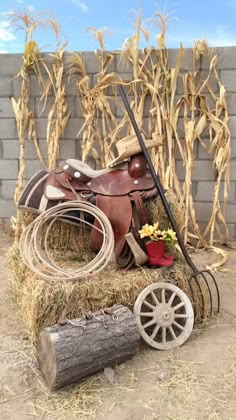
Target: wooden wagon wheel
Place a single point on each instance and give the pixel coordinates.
(164, 315)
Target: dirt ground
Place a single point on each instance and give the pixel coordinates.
(194, 382)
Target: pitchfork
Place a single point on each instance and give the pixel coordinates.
(196, 274)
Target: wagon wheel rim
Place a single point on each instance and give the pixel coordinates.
(164, 315)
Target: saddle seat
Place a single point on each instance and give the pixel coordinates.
(82, 171)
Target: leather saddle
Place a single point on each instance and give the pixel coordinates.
(119, 192)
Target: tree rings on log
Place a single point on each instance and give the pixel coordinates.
(82, 347)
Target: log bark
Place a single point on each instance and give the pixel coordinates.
(68, 353)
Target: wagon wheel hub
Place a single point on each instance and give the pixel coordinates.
(164, 315)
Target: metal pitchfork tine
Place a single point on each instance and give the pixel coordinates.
(196, 273)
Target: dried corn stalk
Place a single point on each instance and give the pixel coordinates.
(154, 79)
(96, 106)
(33, 62)
(24, 116)
(58, 115)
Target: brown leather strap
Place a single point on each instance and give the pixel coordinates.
(141, 210)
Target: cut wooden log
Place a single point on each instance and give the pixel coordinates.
(82, 347)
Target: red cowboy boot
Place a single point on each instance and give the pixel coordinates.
(156, 254)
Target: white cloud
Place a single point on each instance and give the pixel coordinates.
(31, 8)
(81, 5)
(5, 33)
(3, 51)
(222, 37)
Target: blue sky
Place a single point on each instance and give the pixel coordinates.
(190, 20)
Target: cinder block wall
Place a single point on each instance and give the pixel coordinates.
(203, 176)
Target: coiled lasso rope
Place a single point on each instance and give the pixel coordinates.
(34, 242)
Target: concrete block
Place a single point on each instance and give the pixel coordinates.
(10, 64)
(230, 226)
(30, 151)
(11, 149)
(232, 126)
(203, 211)
(201, 172)
(205, 191)
(1, 149)
(231, 103)
(203, 151)
(8, 169)
(7, 208)
(231, 213)
(123, 65)
(187, 60)
(7, 189)
(226, 57)
(121, 111)
(78, 149)
(41, 127)
(31, 168)
(67, 149)
(5, 85)
(92, 62)
(42, 112)
(8, 129)
(49, 59)
(6, 110)
(233, 147)
(16, 86)
(35, 89)
(228, 79)
(71, 88)
(233, 170)
(73, 127)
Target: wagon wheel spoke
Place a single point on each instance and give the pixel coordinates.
(149, 305)
(150, 314)
(180, 305)
(149, 323)
(178, 326)
(163, 296)
(155, 331)
(163, 336)
(172, 332)
(170, 301)
(155, 298)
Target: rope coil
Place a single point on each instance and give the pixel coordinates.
(34, 247)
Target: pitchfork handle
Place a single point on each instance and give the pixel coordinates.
(157, 180)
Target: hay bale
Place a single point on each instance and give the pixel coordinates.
(42, 304)
(157, 212)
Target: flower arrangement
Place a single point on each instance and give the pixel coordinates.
(154, 233)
